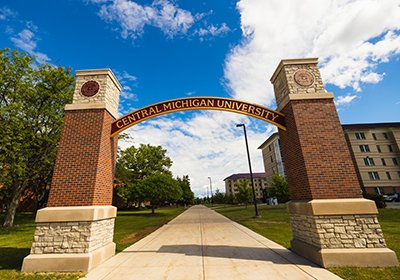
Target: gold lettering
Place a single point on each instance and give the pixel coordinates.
(167, 106)
(251, 109)
(157, 109)
(118, 125)
(274, 116)
(210, 103)
(196, 103)
(258, 111)
(220, 103)
(131, 118)
(238, 106)
(144, 113)
(245, 107)
(228, 104)
(125, 121)
(180, 104)
(185, 103)
(152, 111)
(203, 103)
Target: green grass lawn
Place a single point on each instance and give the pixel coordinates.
(15, 243)
(274, 224)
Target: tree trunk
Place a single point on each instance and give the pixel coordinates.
(152, 209)
(12, 206)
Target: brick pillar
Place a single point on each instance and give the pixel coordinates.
(332, 224)
(75, 231)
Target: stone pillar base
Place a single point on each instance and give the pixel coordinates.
(339, 232)
(68, 262)
(76, 238)
(367, 257)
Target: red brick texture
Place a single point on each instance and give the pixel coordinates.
(317, 160)
(85, 164)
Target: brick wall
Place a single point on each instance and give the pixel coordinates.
(317, 160)
(85, 162)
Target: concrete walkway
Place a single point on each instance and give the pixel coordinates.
(202, 244)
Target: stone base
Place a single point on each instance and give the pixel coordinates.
(68, 262)
(367, 257)
(71, 239)
(339, 232)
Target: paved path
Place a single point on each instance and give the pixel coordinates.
(202, 244)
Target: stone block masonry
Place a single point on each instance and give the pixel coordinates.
(72, 237)
(332, 224)
(344, 231)
(75, 231)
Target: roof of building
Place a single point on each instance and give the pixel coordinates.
(269, 139)
(370, 125)
(246, 176)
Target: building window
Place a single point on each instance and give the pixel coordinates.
(369, 161)
(360, 135)
(390, 148)
(373, 175)
(374, 136)
(272, 160)
(378, 148)
(385, 135)
(269, 147)
(395, 161)
(388, 176)
(364, 148)
(398, 173)
(383, 161)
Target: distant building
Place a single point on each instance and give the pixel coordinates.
(272, 156)
(374, 147)
(260, 183)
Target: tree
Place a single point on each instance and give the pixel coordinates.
(32, 100)
(157, 189)
(187, 194)
(244, 194)
(219, 197)
(136, 164)
(279, 188)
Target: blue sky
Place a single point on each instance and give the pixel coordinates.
(164, 49)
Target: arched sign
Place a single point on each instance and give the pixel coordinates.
(198, 103)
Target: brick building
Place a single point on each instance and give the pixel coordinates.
(375, 150)
(260, 183)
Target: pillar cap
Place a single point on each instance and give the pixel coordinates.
(103, 71)
(292, 61)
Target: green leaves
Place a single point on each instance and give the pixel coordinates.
(244, 194)
(32, 100)
(279, 188)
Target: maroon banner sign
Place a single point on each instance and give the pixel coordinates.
(198, 103)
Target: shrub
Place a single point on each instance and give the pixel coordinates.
(379, 200)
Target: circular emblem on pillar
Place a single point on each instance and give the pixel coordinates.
(303, 78)
(90, 88)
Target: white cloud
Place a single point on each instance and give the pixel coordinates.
(213, 30)
(25, 40)
(133, 17)
(206, 144)
(6, 13)
(129, 77)
(351, 37)
(345, 100)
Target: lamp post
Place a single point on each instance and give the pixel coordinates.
(209, 178)
(251, 172)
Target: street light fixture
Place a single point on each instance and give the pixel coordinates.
(251, 172)
(209, 178)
